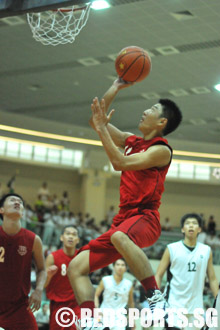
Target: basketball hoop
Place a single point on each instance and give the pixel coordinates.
(59, 26)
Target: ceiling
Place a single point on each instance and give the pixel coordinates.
(57, 84)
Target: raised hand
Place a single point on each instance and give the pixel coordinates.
(99, 116)
(120, 83)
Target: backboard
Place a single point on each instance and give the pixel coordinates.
(19, 7)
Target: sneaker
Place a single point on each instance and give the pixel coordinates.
(157, 303)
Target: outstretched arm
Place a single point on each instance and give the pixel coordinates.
(163, 265)
(155, 156)
(36, 296)
(117, 135)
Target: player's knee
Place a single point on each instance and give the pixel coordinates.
(119, 239)
(74, 270)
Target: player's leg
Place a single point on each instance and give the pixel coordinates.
(78, 271)
(97, 254)
(18, 314)
(136, 259)
(129, 237)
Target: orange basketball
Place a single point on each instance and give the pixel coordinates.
(133, 64)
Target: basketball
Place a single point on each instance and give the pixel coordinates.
(133, 64)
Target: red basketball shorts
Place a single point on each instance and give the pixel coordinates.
(54, 308)
(16, 316)
(143, 228)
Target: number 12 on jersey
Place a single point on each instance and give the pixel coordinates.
(191, 266)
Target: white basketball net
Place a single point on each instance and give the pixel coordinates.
(60, 26)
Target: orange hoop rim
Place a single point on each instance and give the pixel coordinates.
(67, 10)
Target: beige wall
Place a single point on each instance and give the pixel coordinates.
(30, 178)
(178, 198)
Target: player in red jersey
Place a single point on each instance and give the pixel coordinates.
(144, 166)
(58, 287)
(17, 246)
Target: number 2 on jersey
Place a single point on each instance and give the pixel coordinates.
(2, 254)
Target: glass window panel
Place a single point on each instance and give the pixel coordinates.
(40, 153)
(26, 151)
(67, 157)
(78, 156)
(53, 156)
(12, 149)
(2, 147)
(186, 171)
(173, 170)
(202, 172)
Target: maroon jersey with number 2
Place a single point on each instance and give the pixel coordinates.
(15, 282)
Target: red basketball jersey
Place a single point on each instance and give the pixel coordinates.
(144, 187)
(15, 265)
(59, 288)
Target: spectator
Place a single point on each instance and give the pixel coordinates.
(42, 317)
(48, 251)
(212, 240)
(44, 193)
(65, 202)
(11, 183)
(48, 228)
(110, 214)
(167, 226)
(202, 236)
(72, 218)
(211, 225)
(55, 202)
(57, 220)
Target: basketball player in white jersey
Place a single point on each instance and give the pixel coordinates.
(187, 262)
(117, 290)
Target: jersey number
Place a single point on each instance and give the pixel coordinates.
(116, 296)
(191, 266)
(2, 254)
(63, 270)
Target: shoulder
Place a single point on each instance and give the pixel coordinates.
(128, 282)
(59, 251)
(106, 279)
(204, 247)
(28, 233)
(174, 245)
(131, 138)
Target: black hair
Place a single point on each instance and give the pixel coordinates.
(173, 114)
(68, 226)
(8, 195)
(191, 215)
(119, 259)
(2, 201)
